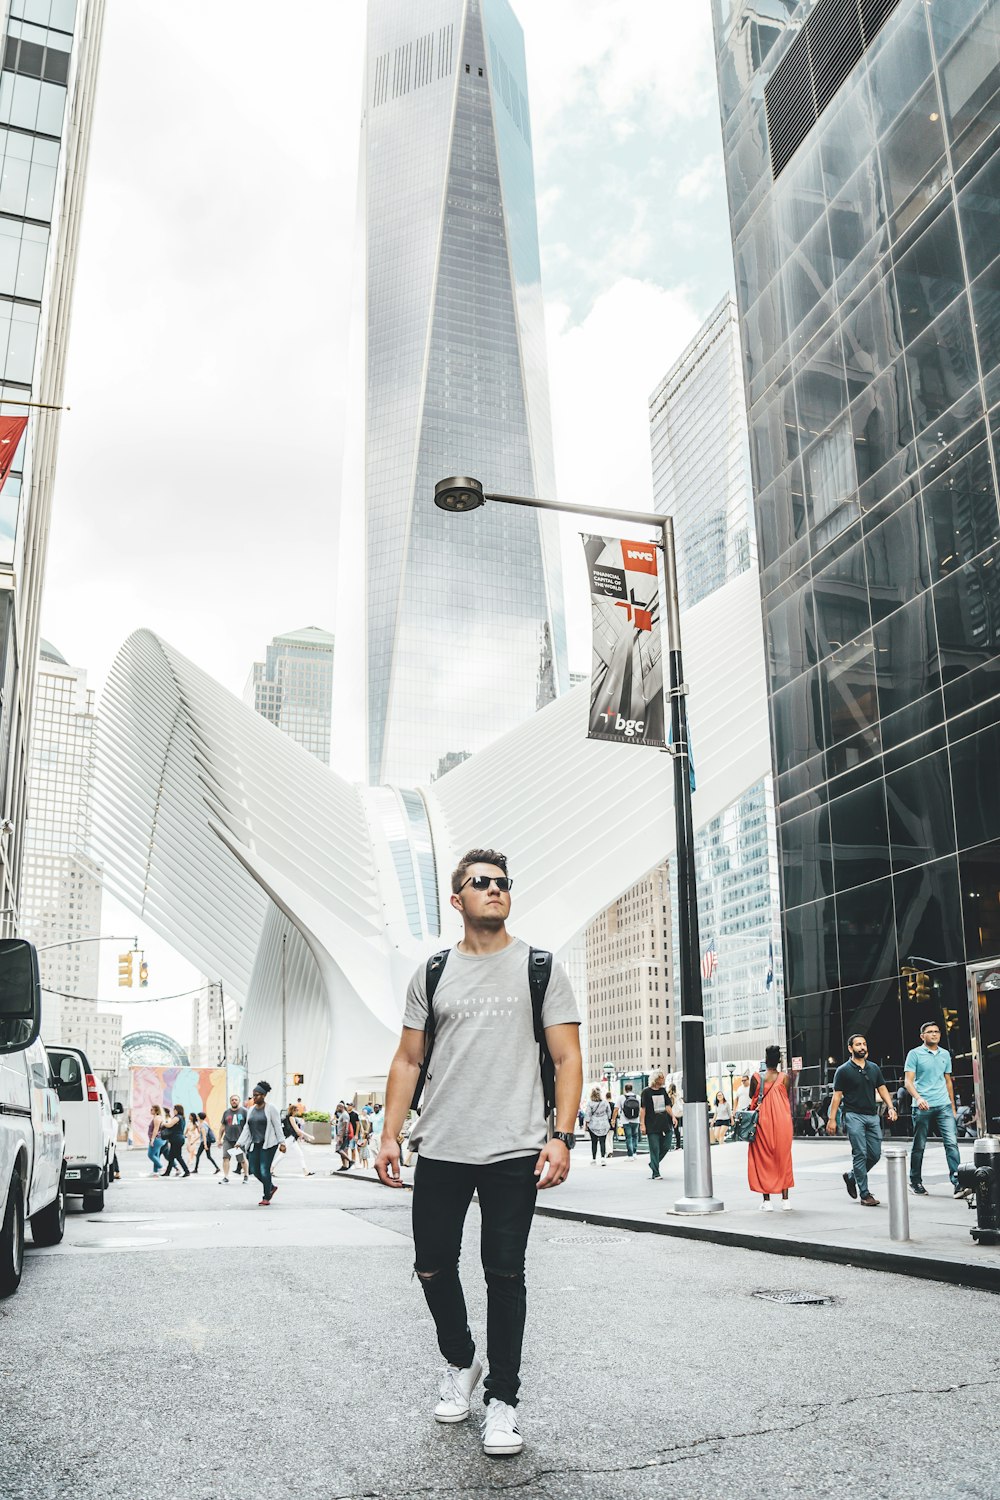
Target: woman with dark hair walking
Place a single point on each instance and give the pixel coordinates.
(261, 1138)
(174, 1132)
(597, 1122)
(206, 1143)
(769, 1161)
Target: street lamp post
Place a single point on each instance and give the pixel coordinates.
(463, 494)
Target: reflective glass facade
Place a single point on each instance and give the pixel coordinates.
(465, 633)
(293, 688)
(868, 281)
(701, 476)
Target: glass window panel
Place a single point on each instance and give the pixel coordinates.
(841, 601)
(14, 179)
(846, 135)
(921, 821)
(19, 100)
(974, 762)
(831, 483)
(820, 392)
(986, 314)
(942, 369)
(979, 213)
(929, 913)
(806, 865)
(967, 611)
(881, 424)
(859, 833)
(960, 510)
(798, 201)
(979, 873)
(20, 359)
(798, 732)
(970, 85)
(858, 225)
(912, 159)
(63, 14)
(808, 273)
(850, 699)
(866, 933)
(897, 560)
(10, 249)
(51, 103)
(906, 655)
(872, 338)
(899, 61)
(810, 943)
(781, 515)
(791, 637)
(929, 275)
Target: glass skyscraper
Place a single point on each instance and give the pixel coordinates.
(701, 476)
(293, 688)
(463, 617)
(47, 84)
(862, 143)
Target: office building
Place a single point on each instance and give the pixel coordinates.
(701, 476)
(47, 88)
(293, 688)
(214, 1021)
(630, 1022)
(464, 631)
(862, 143)
(60, 880)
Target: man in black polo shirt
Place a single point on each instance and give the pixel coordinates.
(859, 1083)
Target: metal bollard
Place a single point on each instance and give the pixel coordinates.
(899, 1207)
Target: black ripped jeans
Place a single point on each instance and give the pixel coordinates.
(442, 1192)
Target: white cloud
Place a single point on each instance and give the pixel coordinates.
(602, 371)
(702, 181)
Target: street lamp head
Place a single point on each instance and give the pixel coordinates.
(459, 494)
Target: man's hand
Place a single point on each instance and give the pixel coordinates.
(890, 1114)
(556, 1154)
(831, 1125)
(922, 1104)
(387, 1164)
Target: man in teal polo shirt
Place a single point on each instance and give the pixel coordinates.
(927, 1075)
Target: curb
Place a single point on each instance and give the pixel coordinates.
(980, 1278)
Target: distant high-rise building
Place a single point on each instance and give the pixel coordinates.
(47, 88)
(629, 989)
(463, 617)
(701, 476)
(293, 688)
(61, 885)
(862, 145)
(214, 1020)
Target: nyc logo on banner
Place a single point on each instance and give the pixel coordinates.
(626, 682)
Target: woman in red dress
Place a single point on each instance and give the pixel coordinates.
(769, 1163)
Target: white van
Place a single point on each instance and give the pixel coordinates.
(89, 1126)
(31, 1133)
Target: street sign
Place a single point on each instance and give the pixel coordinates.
(796, 1065)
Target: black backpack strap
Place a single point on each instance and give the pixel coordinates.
(432, 977)
(539, 973)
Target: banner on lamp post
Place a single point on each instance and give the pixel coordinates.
(626, 682)
(11, 432)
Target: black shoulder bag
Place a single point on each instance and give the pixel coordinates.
(539, 971)
(744, 1126)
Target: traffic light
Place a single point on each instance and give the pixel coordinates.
(298, 1079)
(910, 977)
(143, 975)
(125, 971)
(923, 985)
(950, 1019)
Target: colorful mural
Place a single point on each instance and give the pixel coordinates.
(196, 1089)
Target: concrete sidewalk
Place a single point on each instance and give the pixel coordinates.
(823, 1224)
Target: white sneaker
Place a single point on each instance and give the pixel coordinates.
(501, 1434)
(604, 1162)
(767, 1208)
(456, 1389)
(786, 1206)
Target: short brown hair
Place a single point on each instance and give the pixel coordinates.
(475, 857)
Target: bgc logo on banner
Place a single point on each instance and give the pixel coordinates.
(628, 727)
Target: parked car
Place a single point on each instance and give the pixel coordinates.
(89, 1126)
(31, 1132)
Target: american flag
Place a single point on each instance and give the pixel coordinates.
(709, 962)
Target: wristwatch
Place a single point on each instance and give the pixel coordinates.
(567, 1138)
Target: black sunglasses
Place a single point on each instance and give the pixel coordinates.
(483, 882)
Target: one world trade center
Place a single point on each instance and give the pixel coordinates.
(464, 630)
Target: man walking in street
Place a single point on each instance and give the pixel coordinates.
(859, 1083)
(627, 1111)
(489, 1045)
(927, 1076)
(233, 1120)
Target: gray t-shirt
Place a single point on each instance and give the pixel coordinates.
(483, 1096)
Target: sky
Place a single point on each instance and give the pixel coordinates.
(198, 483)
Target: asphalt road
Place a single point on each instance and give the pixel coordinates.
(187, 1344)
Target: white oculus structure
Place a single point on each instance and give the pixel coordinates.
(225, 836)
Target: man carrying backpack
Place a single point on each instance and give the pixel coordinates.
(627, 1110)
(498, 1043)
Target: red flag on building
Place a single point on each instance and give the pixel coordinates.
(11, 432)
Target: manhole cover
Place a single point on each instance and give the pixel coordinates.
(796, 1299)
(587, 1239)
(106, 1218)
(120, 1244)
